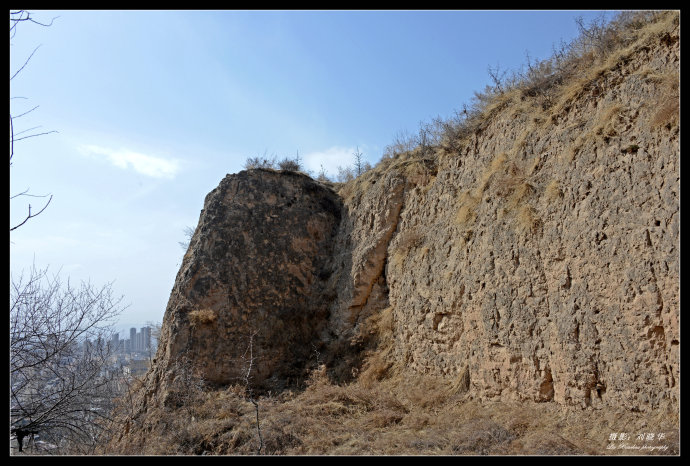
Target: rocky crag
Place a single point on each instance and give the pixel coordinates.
(535, 259)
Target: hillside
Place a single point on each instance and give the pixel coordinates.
(508, 286)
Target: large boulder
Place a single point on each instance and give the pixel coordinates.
(254, 284)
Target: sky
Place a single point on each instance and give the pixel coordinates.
(151, 109)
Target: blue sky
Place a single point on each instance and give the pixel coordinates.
(153, 108)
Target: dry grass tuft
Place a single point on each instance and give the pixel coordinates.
(496, 165)
(202, 317)
(553, 191)
(527, 220)
(467, 212)
(668, 113)
(607, 120)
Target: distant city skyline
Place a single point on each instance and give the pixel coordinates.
(137, 340)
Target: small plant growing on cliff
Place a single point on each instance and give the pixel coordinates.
(322, 175)
(202, 317)
(188, 233)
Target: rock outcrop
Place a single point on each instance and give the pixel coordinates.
(538, 260)
(255, 279)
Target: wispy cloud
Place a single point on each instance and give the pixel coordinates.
(149, 165)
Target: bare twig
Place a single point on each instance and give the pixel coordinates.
(30, 215)
(25, 63)
(34, 135)
(249, 363)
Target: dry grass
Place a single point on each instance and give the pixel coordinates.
(553, 191)
(575, 147)
(607, 120)
(202, 317)
(528, 220)
(407, 414)
(668, 112)
(496, 165)
(467, 212)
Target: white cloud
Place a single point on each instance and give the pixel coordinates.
(149, 165)
(330, 159)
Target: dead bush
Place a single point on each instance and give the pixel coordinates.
(289, 165)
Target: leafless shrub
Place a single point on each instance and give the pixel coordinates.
(345, 174)
(322, 175)
(260, 162)
(188, 233)
(249, 360)
(359, 165)
(188, 385)
(289, 164)
(60, 383)
(497, 78)
(402, 142)
(596, 35)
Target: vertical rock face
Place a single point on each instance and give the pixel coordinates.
(544, 260)
(258, 266)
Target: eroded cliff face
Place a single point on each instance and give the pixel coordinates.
(541, 262)
(253, 287)
(537, 260)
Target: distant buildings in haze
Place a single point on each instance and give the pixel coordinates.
(138, 342)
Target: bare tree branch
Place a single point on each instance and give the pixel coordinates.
(25, 63)
(34, 135)
(17, 17)
(28, 111)
(30, 215)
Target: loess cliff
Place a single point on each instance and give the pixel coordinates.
(530, 260)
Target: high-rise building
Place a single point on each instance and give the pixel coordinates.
(133, 339)
(146, 338)
(115, 343)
